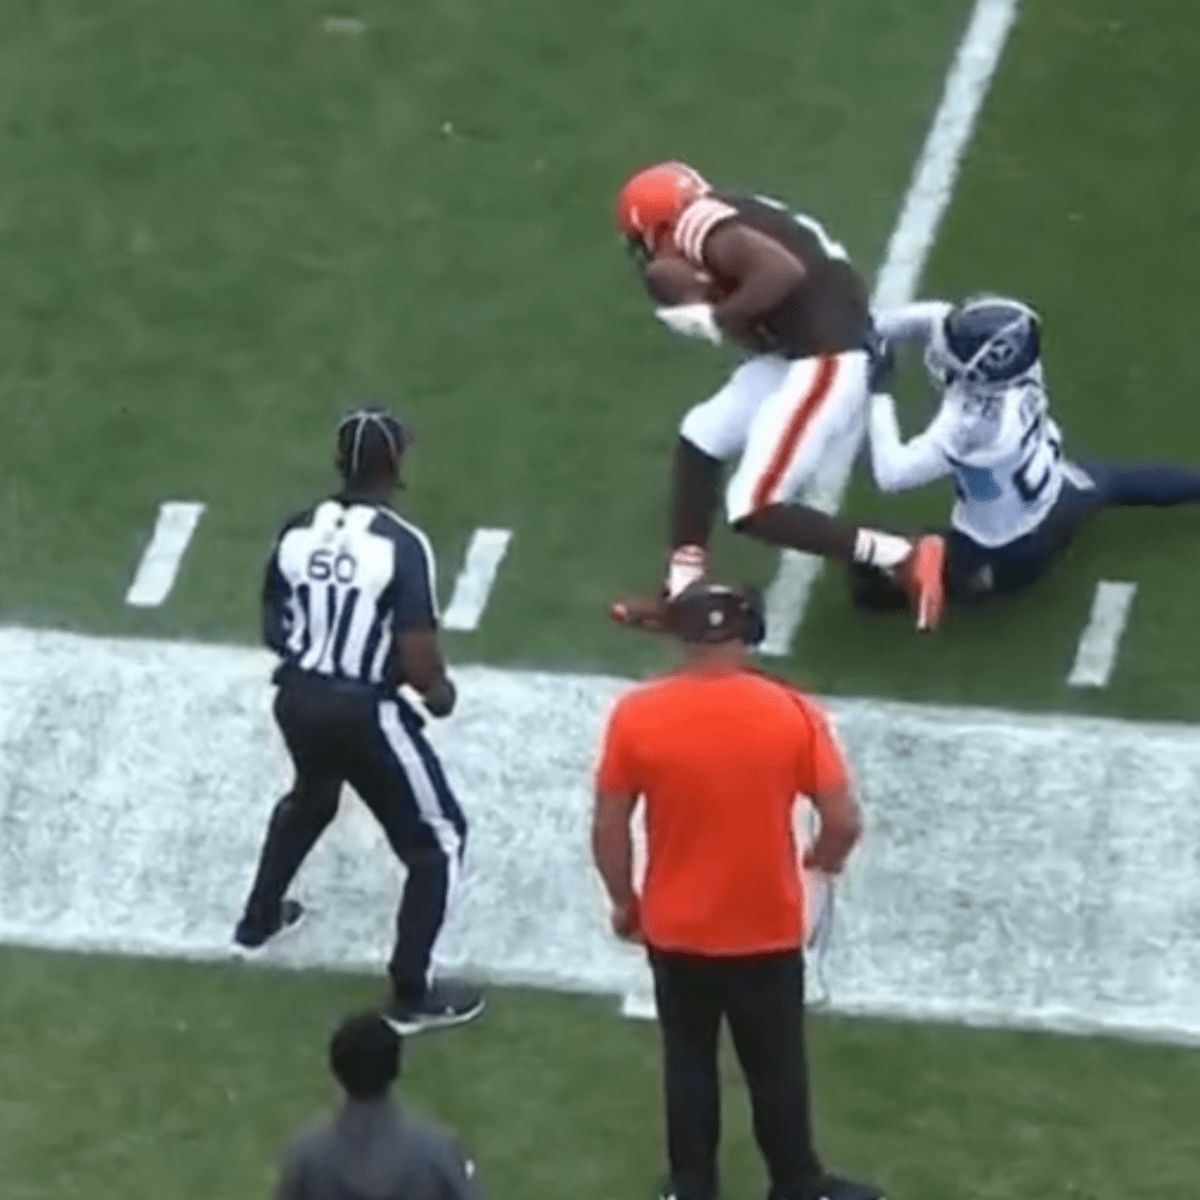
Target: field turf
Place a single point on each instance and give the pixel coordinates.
(1077, 196)
(220, 223)
(128, 1080)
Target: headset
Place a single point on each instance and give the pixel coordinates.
(712, 613)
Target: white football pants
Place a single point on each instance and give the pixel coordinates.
(782, 416)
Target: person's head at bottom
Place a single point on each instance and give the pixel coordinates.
(364, 1054)
(716, 623)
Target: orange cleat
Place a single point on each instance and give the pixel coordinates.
(920, 574)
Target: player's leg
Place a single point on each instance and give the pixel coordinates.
(1005, 570)
(689, 1017)
(970, 573)
(815, 414)
(711, 433)
(1087, 488)
(400, 779)
(1158, 485)
(306, 714)
(976, 572)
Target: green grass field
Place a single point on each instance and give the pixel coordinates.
(139, 1081)
(220, 222)
(219, 225)
(1077, 195)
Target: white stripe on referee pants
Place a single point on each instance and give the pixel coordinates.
(428, 804)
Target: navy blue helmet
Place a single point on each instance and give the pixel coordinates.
(987, 342)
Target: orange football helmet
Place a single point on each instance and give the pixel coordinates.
(651, 201)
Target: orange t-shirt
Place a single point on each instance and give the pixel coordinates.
(720, 760)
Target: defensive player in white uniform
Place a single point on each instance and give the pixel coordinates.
(1018, 500)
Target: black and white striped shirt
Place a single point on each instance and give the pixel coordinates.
(344, 580)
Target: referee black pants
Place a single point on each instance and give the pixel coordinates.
(762, 998)
(341, 732)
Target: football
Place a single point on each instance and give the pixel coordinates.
(672, 280)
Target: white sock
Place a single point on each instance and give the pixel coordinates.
(686, 566)
(884, 550)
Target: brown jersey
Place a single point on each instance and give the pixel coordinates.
(827, 313)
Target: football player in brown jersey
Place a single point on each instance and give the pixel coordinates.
(774, 283)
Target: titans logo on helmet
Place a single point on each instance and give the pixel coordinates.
(986, 342)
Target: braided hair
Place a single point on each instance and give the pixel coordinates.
(370, 441)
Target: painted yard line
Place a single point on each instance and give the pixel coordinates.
(156, 573)
(474, 583)
(1057, 888)
(343, 25)
(916, 229)
(1102, 635)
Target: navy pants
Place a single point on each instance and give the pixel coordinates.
(339, 732)
(974, 571)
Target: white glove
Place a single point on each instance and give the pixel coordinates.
(691, 320)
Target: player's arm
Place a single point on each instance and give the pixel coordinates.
(415, 622)
(911, 322)
(898, 465)
(765, 272)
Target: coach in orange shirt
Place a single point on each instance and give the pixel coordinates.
(720, 754)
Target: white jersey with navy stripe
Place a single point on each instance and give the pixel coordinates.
(345, 579)
(1000, 446)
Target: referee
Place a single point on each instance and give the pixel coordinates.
(719, 753)
(349, 605)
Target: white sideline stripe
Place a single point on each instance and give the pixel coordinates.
(1101, 636)
(156, 573)
(908, 249)
(474, 583)
(1074, 919)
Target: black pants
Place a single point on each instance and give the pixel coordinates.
(342, 733)
(762, 998)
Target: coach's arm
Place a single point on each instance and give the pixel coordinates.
(841, 827)
(617, 793)
(612, 850)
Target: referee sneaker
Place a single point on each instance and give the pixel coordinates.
(349, 605)
(719, 754)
